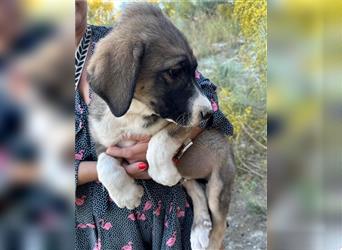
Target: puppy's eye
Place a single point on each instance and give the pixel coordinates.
(173, 73)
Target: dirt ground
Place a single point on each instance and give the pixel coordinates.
(247, 219)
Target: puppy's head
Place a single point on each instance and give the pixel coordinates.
(147, 58)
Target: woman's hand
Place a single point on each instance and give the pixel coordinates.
(134, 153)
(135, 156)
(137, 170)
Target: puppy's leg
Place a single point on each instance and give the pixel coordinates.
(201, 225)
(121, 188)
(210, 157)
(218, 192)
(161, 150)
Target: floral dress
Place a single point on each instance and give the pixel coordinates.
(164, 218)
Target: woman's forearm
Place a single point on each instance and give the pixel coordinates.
(87, 172)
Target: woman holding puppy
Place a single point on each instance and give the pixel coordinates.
(164, 218)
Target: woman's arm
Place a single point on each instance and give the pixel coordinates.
(86, 172)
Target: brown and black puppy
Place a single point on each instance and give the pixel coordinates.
(143, 76)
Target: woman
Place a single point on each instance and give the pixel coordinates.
(164, 218)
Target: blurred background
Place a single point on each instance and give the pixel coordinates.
(304, 121)
(301, 173)
(36, 124)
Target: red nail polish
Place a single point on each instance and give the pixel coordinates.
(142, 165)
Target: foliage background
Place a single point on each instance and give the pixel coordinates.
(229, 40)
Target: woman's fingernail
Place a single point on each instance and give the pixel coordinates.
(142, 165)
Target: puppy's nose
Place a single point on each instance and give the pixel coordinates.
(205, 115)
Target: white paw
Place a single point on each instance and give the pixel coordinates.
(167, 176)
(161, 168)
(128, 197)
(200, 235)
(121, 187)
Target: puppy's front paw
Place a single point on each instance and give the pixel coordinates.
(199, 237)
(121, 188)
(128, 197)
(167, 175)
(161, 168)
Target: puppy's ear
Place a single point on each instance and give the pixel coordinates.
(113, 71)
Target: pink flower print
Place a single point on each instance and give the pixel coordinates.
(172, 240)
(137, 216)
(129, 246)
(131, 216)
(187, 204)
(170, 209)
(79, 155)
(80, 201)
(147, 206)
(214, 105)
(98, 245)
(180, 213)
(157, 211)
(80, 109)
(105, 225)
(80, 125)
(166, 222)
(197, 75)
(141, 216)
(81, 225)
(88, 225)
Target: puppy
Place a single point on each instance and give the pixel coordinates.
(143, 76)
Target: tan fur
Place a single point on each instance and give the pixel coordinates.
(210, 158)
